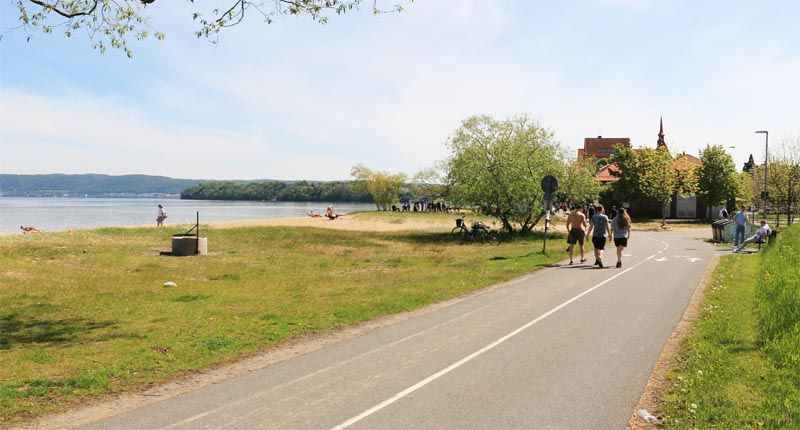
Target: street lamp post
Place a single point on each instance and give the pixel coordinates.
(766, 161)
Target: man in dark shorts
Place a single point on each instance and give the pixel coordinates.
(576, 222)
(601, 228)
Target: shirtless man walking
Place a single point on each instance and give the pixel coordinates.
(576, 223)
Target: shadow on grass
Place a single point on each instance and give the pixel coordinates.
(18, 329)
(447, 237)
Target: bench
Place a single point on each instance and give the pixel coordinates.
(771, 238)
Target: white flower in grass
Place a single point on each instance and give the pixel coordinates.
(700, 372)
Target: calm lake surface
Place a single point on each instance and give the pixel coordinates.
(79, 213)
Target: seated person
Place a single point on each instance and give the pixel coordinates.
(762, 233)
(329, 213)
(30, 229)
(313, 214)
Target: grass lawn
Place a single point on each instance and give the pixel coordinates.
(727, 376)
(86, 314)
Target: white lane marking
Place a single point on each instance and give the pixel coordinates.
(475, 354)
(272, 388)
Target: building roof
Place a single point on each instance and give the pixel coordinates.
(604, 175)
(602, 147)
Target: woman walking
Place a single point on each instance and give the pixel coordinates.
(621, 225)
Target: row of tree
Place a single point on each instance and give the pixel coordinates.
(496, 167)
(783, 178)
(301, 191)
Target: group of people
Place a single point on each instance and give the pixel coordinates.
(741, 220)
(328, 213)
(601, 229)
(423, 206)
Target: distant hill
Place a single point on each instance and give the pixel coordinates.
(93, 185)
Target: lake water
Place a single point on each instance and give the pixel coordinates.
(78, 213)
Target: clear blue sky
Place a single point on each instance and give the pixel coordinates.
(300, 100)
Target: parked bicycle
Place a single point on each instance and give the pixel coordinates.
(479, 232)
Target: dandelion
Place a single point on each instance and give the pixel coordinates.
(694, 405)
(700, 372)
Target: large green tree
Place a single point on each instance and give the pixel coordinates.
(648, 174)
(784, 177)
(382, 186)
(112, 22)
(579, 184)
(497, 166)
(429, 184)
(718, 178)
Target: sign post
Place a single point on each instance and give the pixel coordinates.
(549, 186)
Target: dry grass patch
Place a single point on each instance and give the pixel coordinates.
(86, 314)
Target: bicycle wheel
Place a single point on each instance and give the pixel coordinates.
(493, 238)
(459, 233)
(480, 234)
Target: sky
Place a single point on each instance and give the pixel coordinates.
(296, 99)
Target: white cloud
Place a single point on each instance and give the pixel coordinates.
(299, 100)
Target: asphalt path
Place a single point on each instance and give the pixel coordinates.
(567, 347)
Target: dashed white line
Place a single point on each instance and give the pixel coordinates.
(475, 354)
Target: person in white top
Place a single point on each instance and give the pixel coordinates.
(160, 215)
(762, 233)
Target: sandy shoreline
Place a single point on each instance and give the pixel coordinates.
(343, 223)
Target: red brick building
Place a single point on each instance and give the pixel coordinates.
(602, 147)
(679, 207)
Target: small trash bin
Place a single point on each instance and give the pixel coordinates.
(715, 234)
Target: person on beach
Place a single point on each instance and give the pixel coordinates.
(576, 223)
(762, 233)
(313, 214)
(30, 229)
(600, 229)
(621, 225)
(160, 215)
(329, 213)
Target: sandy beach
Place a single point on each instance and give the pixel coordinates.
(343, 223)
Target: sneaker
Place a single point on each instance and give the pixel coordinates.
(570, 262)
(619, 264)
(583, 260)
(596, 262)
(600, 263)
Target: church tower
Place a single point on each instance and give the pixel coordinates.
(661, 142)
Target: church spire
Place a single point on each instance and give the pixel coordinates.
(661, 142)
